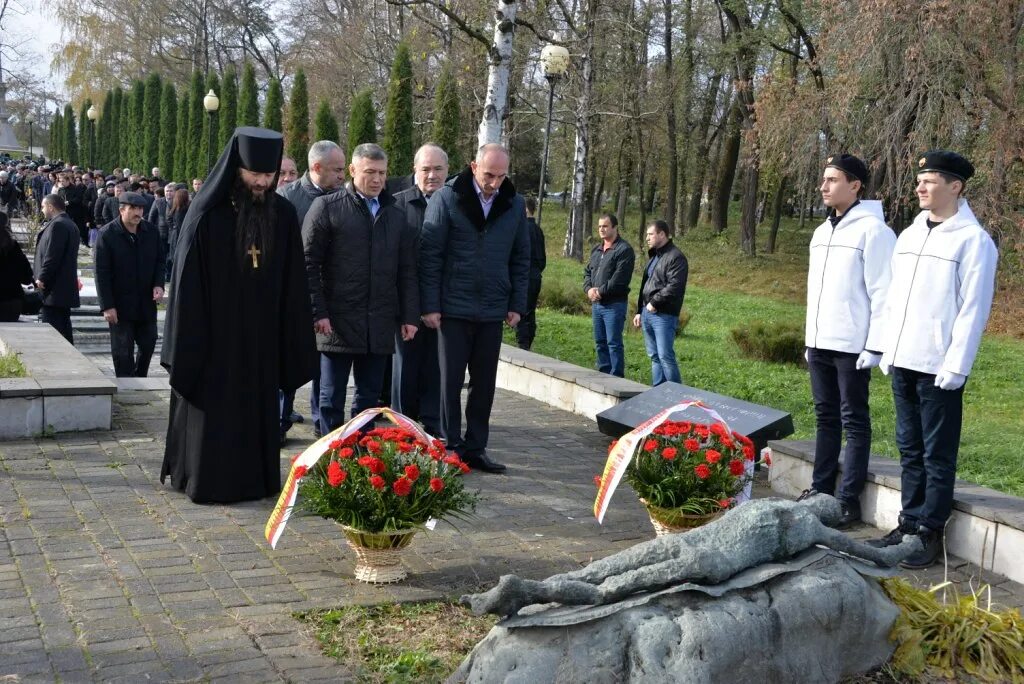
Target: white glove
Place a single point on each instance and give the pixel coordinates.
(884, 367)
(807, 355)
(868, 360)
(947, 380)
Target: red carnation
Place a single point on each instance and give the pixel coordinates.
(712, 456)
(404, 447)
(725, 503)
(719, 429)
(767, 460)
(748, 452)
(650, 445)
(463, 467)
(436, 484)
(702, 431)
(365, 461)
(334, 445)
(300, 471)
(685, 426)
(668, 453)
(691, 444)
(728, 443)
(402, 486)
(377, 482)
(377, 466)
(335, 474)
(373, 446)
(736, 467)
(702, 471)
(345, 452)
(412, 471)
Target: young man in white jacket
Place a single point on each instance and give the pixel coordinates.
(938, 303)
(846, 284)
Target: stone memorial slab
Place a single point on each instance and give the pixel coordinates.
(759, 423)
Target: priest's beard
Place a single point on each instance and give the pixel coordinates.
(256, 224)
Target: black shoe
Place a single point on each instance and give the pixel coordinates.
(807, 494)
(850, 516)
(316, 432)
(284, 439)
(894, 537)
(296, 417)
(927, 556)
(481, 462)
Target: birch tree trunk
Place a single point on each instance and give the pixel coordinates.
(573, 246)
(500, 57)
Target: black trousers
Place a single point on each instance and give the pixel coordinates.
(527, 328)
(125, 336)
(840, 393)
(416, 379)
(928, 422)
(474, 345)
(60, 318)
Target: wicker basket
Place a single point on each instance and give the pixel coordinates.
(674, 520)
(379, 554)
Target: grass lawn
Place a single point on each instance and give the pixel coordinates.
(727, 290)
(11, 366)
(410, 642)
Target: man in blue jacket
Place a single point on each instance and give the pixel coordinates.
(474, 274)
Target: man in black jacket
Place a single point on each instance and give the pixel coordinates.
(326, 174)
(474, 273)
(361, 267)
(157, 215)
(606, 281)
(56, 266)
(415, 370)
(661, 300)
(527, 328)
(99, 206)
(129, 282)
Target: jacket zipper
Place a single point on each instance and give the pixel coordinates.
(910, 289)
(824, 269)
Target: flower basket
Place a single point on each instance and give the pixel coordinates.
(675, 520)
(378, 554)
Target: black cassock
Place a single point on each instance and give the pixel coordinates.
(235, 334)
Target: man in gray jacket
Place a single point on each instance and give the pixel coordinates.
(326, 174)
(474, 273)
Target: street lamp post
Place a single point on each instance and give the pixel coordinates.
(92, 113)
(211, 103)
(554, 60)
(30, 119)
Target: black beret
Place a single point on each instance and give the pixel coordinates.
(850, 164)
(132, 198)
(947, 162)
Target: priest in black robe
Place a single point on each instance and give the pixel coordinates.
(239, 327)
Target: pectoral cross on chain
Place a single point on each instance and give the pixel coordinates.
(254, 253)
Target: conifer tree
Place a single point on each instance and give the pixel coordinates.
(70, 139)
(137, 143)
(181, 157)
(228, 107)
(298, 121)
(362, 121)
(325, 126)
(194, 145)
(168, 130)
(114, 143)
(151, 122)
(103, 132)
(210, 130)
(398, 115)
(56, 150)
(272, 116)
(84, 131)
(125, 117)
(248, 98)
(447, 117)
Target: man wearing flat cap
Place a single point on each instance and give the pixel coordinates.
(239, 326)
(846, 285)
(943, 279)
(129, 283)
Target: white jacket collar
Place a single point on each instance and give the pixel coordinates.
(962, 218)
(863, 209)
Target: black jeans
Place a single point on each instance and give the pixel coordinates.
(416, 379)
(334, 371)
(474, 345)
(60, 318)
(527, 328)
(840, 393)
(928, 422)
(125, 336)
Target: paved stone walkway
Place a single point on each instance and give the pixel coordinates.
(106, 575)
